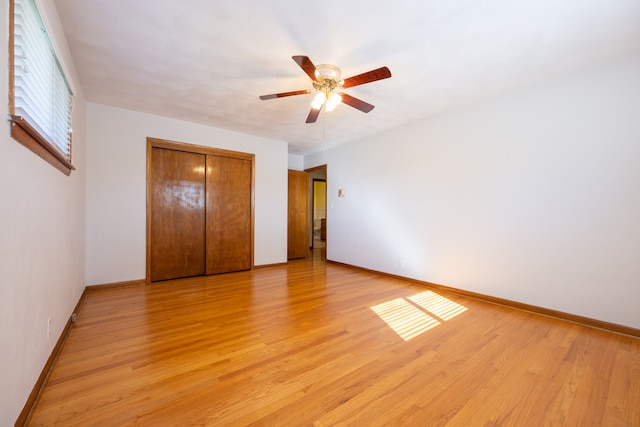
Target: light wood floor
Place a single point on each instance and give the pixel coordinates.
(315, 344)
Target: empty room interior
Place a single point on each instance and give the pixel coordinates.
(346, 213)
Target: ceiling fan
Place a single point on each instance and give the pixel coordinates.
(327, 83)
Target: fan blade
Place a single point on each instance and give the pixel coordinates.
(307, 66)
(313, 115)
(368, 77)
(283, 94)
(356, 103)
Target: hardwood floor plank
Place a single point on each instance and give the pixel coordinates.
(623, 398)
(303, 344)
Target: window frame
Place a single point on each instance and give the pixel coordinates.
(21, 130)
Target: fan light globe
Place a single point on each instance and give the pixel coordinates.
(333, 100)
(327, 72)
(318, 100)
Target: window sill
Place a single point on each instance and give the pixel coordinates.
(22, 132)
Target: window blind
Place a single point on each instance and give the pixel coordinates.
(42, 96)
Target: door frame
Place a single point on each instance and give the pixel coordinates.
(326, 215)
(199, 149)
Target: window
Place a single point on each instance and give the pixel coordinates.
(40, 99)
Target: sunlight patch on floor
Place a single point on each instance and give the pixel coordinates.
(403, 317)
(440, 306)
(412, 316)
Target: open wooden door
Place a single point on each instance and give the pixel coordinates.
(298, 216)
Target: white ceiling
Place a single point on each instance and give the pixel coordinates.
(207, 61)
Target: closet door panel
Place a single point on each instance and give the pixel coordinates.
(228, 207)
(178, 214)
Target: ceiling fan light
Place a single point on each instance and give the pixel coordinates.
(333, 100)
(327, 72)
(318, 100)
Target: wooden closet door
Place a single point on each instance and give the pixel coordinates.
(298, 216)
(228, 214)
(178, 214)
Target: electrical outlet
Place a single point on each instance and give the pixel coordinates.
(48, 327)
(400, 263)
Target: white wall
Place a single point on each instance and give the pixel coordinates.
(41, 243)
(116, 189)
(296, 162)
(531, 196)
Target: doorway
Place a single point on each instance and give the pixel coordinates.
(319, 213)
(318, 207)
